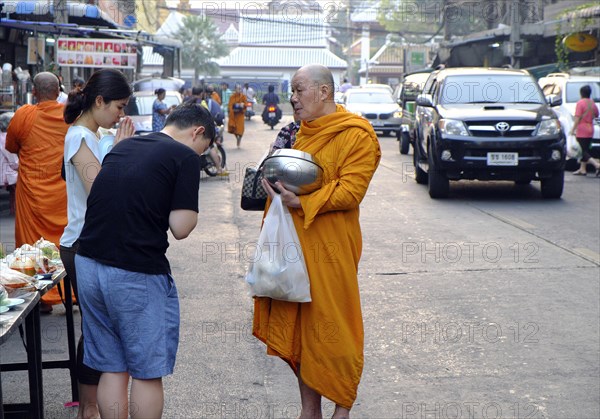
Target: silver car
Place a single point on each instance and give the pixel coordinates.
(139, 108)
(377, 106)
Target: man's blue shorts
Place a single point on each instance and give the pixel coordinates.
(130, 320)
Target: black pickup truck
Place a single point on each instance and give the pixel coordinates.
(487, 124)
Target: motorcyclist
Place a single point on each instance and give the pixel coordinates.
(249, 92)
(271, 99)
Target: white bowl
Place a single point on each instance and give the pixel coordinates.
(298, 171)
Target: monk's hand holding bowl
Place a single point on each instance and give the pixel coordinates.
(288, 198)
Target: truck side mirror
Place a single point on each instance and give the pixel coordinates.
(424, 100)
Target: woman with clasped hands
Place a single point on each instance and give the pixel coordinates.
(100, 104)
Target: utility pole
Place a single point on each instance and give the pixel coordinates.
(61, 15)
(516, 45)
(447, 33)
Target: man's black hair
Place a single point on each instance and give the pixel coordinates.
(191, 114)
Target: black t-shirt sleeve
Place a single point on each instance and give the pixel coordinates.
(185, 192)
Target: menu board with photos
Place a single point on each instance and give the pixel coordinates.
(89, 52)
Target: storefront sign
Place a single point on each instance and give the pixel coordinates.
(581, 42)
(88, 52)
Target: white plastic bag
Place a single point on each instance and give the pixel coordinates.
(278, 270)
(574, 150)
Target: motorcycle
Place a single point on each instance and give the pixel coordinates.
(249, 109)
(206, 161)
(271, 115)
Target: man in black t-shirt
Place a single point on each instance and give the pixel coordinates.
(147, 185)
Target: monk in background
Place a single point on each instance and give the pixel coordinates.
(37, 134)
(237, 110)
(322, 341)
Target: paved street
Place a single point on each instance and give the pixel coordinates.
(485, 305)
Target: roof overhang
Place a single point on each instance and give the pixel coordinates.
(72, 29)
(38, 11)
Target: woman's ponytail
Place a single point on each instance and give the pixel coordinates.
(75, 105)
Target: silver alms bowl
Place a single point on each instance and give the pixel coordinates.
(298, 171)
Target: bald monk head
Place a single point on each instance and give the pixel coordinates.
(312, 92)
(45, 86)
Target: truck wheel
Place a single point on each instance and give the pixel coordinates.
(404, 142)
(420, 175)
(552, 187)
(439, 185)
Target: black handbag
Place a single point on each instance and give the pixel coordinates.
(254, 196)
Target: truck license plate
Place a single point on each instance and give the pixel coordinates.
(502, 159)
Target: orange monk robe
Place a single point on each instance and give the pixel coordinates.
(235, 123)
(215, 96)
(37, 134)
(324, 338)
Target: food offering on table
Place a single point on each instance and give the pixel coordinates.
(20, 270)
(6, 302)
(40, 258)
(15, 282)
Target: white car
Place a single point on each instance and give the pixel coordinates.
(377, 106)
(562, 93)
(139, 108)
(376, 86)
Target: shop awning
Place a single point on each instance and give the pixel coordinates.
(37, 11)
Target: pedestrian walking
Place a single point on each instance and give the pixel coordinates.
(327, 221)
(225, 95)
(147, 186)
(583, 129)
(237, 106)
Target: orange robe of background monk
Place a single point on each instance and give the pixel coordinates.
(325, 337)
(235, 123)
(37, 134)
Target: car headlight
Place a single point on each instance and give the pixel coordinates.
(549, 127)
(398, 114)
(452, 127)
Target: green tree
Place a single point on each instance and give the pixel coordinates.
(412, 19)
(202, 44)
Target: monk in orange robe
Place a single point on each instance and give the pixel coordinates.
(37, 134)
(235, 123)
(323, 340)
